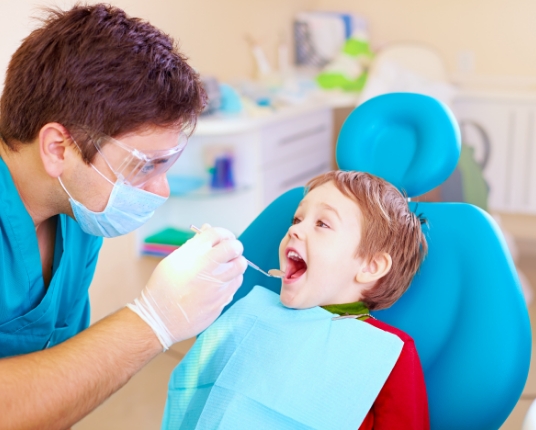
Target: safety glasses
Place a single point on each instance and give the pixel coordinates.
(135, 167)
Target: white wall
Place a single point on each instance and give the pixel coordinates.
(501, 34)
(211, 32)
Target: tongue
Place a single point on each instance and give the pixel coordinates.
(295, 268)
(298, 273)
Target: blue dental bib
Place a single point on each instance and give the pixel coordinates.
(264, 366)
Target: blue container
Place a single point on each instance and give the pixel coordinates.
(222, 174)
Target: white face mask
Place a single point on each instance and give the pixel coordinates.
(127, 209)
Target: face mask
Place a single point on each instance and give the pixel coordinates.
(127, 209)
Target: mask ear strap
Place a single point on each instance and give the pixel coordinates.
(65, 189)
(100, 173)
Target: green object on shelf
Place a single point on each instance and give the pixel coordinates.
(356, 47)
(348, 70)
(330, 81)
(170, 236)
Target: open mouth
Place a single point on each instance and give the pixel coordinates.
(296, 266)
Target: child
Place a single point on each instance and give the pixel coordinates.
(354, 246)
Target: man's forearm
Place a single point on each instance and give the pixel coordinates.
(56, 387)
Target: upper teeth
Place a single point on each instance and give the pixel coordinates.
(294, 255)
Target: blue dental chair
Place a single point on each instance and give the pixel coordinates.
(464, 309)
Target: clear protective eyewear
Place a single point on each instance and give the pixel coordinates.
(133, 166)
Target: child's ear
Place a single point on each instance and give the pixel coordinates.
(376, 268)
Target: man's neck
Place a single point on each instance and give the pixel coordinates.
(31, 181)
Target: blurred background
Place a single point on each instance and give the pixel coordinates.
(282, 76)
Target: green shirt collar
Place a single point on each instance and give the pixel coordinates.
(356, 308)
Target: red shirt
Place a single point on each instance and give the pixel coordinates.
(402, 403)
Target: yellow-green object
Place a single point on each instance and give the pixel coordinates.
(331, 80)
(348, 71)
(356, 47)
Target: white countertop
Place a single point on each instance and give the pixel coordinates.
(223, 124)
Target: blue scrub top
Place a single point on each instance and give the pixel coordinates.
(33, 317)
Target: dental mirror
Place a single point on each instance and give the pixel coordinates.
(276, 273)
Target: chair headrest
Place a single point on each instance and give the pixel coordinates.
(410, 140)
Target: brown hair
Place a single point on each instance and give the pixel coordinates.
(95, 67)
(388, 226)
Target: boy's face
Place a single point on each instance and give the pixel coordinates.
(318, 253)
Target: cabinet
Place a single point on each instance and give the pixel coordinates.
(509, 121)
(271, 154)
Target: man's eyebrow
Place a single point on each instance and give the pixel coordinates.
(331, 208)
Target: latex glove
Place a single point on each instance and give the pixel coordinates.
(189, 288)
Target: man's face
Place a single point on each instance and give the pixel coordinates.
(90, 188)
(318, 253)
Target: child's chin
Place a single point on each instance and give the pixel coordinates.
(287, 300)
(292, 302)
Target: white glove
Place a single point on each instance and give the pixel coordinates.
(189, 288)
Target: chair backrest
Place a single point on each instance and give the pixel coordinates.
(464, 308)
(416, 57)
(408, 67)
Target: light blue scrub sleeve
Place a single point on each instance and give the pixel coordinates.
(33, 316)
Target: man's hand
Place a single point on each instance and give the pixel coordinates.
(189, 289)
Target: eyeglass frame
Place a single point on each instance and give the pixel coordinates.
(141, 156)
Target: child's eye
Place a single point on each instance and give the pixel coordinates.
(322, 224)
(295, 220)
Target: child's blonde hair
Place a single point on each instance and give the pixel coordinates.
(389, 226)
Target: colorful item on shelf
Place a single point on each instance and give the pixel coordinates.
(222, 173)
(165, 241)
(230, 100)
(158, 250)
(348, 70)
(319, 35)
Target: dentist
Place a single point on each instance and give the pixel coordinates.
(92, 116)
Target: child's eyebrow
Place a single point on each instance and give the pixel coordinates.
(331, 208)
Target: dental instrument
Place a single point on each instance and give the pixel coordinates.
(276, 273)
(254, 266)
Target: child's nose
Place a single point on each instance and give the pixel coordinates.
(296, 231)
